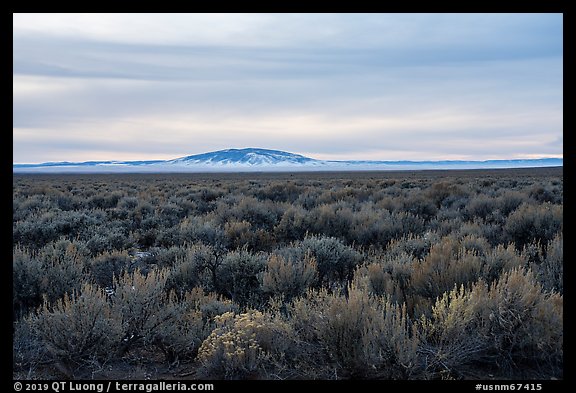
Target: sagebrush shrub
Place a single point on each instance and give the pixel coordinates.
(416, 246)
(167, 257)
(480, 206)
(238, 234)
(27, 281)
(507, 324)
(442, 191)
(52, 271)
(185, 322)
(360, 335)
(108, 265)
(79, 328)
(28, 350)
(196, 229)
(289, 278)
(333, 220)
(263, 215)
(550, 271)
(238, 277)
(378, 228)
(335, 260)
(446, 264)
(545, 194)
(197, 265)
(499, 260)
(138, 302)
(286, 192)
(531, 223)
(388, 276)
(509, 201)
(293, 225)
(421, 206)
(64, 269)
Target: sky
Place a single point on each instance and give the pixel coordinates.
(328, 86)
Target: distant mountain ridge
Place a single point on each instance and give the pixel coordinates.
(250, 156)
(255, 159)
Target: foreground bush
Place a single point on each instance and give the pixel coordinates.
(355, 336)
(511, 324)
(50, 272)
(183, 324)
(80, 328)
(250, 345)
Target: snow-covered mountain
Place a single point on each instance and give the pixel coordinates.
(251, 159)
(244, 157)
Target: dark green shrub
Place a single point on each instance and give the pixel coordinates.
(197, 267)
(480, 206)
(509, 201)
(441, 191)
(293, 225)
(531, 223)
(544, 194)
(238, 277)
(335, 261)
(420, 206)
(80, 328)
(27, 281)
(106, 266)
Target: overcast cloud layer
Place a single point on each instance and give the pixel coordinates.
(330, 86)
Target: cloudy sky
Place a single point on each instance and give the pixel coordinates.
(329, 86)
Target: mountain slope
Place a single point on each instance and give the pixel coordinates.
(249, 156)
(253, 159)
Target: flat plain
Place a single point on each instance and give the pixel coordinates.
(322, 275)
